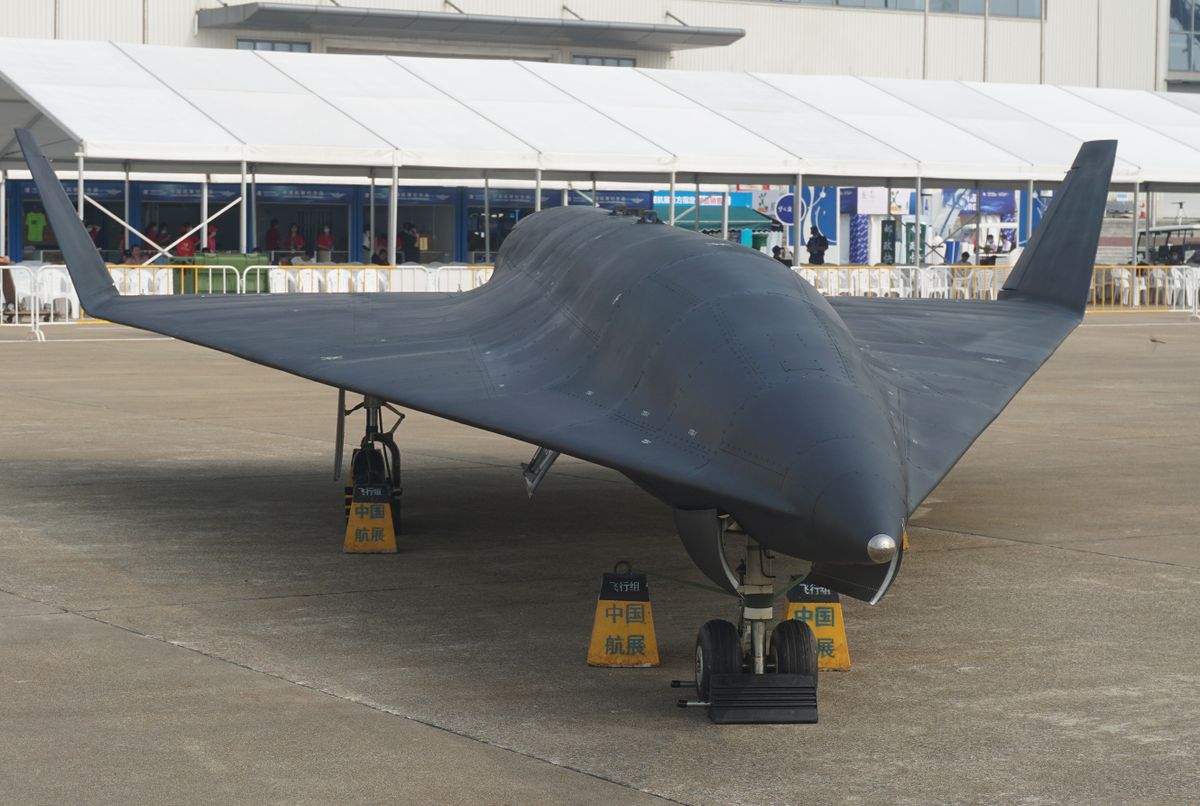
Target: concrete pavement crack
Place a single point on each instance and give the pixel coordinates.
(325, 692)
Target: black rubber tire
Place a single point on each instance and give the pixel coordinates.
(718, 651)
(793, 648)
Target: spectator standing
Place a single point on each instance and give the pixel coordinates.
(966, 260)
(293, 241)
(817, 245)
(9, 290)
(777, 253)
(271, 239)
(210, 242)
(186, 247)
(409, 243)
(325, 245)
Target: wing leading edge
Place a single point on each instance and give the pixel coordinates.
(948, 368)
(510, 357)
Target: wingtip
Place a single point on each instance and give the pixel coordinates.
(88, 272)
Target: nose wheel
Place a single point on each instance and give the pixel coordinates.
(740, 677)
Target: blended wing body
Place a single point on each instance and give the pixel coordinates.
(712, 376)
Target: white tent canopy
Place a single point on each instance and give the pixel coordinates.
(192, 110)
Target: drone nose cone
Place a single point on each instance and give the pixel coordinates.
(855, 516)
(881, 548)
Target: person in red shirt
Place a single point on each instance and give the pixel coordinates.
(271, 239)
(293, 241)
(186, 247)
(324, 245)
(211, 240)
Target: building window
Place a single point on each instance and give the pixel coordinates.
(1031, 9)
(1183, 45)
(270, 44)
(956, 6)
(604, 61)
(903, 5)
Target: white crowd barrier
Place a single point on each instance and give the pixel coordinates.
(44, 293)
(347, 278)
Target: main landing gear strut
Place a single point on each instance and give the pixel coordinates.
(740, 676)
(375, 463)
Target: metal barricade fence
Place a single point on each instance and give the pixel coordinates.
(44, 294)
(1144, 287)
(175, 278)
(25, 309)
(1150, 288)
(346, 278)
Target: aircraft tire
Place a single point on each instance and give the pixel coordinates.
(718, 651)
(794, 649)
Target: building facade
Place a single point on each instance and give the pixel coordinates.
(1138, 44)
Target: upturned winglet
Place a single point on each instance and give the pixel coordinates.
(88, 272)
(1057, 264)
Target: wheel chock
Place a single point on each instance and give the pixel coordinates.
(763, 699)
(821, 609)
(370, 526)
(623, 629)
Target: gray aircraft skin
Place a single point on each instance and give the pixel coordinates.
(713, 377)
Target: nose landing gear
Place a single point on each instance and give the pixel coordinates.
(740, 677)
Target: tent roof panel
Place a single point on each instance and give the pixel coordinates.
(567, 132)
(173, 109)
(1156, 156)
(824, 144)
(260, 105)
(939, 146)
(1048, 149)
(427, 126)
(96, 94)
(701, 139)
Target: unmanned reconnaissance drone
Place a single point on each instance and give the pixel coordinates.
(717, 380)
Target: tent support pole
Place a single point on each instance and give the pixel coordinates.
(1137, 188)
(204, 212)
(1028, 211)
(537, 190)
(920, 246)
(79, 187)
(595, 193)
(245, 213)
(125, 233)
(3, 212)
(252, 224)
(978, 222)
(487, 219)
(725, 214)
(393, 201)
(671, 202)
(697, 208)
(371, 219)
(799, 180)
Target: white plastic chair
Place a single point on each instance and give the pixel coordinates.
(339, 281)
(24, 288)
(162, 282)
(935, 282)
(308, 281)
(279, 281)
(54, 290)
